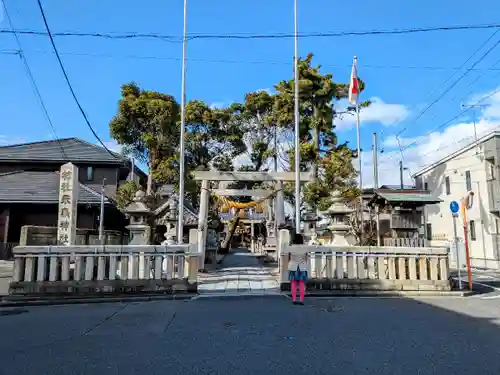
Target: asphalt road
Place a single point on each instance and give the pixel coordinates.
(255, 336)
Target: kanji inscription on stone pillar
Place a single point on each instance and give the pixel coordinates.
(68, 203)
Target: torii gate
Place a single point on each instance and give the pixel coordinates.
(206, 176)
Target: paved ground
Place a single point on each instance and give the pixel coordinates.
(240, 272)
(260, 335)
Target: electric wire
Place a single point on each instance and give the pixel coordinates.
(33, 83)
(68, 81)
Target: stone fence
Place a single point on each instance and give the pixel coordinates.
(73, 270)
(368, 268)
(406, 242)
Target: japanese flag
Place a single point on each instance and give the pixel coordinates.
(354, 84)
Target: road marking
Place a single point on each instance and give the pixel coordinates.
(486, 286)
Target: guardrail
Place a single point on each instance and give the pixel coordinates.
(105, 269)
(368, 268)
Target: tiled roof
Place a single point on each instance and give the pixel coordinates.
(190, 213)
(39, 187)
(76, 150)
(408, 197)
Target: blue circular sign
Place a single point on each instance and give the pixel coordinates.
(454, 207)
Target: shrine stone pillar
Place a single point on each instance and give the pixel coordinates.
(68, 204)
(139, 213)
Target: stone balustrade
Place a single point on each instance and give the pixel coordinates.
(406, 242)
(105, 269)
(368, 268)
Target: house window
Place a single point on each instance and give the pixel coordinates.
(468, 182)
(472, 230)
(491, 169)
(428, 231)
(426, 186)
(447, 185)
(90, 173)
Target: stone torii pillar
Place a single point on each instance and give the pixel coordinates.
(277, 177)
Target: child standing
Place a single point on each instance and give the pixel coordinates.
(297, 272)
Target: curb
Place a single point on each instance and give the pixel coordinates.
(24, 301)
(368, 293)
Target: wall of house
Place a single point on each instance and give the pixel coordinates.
(484, 248)
(92, 176)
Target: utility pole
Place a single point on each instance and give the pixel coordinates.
(375, 183)
(180, 210)
(101, 214)
(375, 161)
(401, 174)
(296, 118)
(474, 107)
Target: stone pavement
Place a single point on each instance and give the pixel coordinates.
(240, 272)
(258, 335)
(6, 271)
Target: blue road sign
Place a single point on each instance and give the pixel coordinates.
(454, 207)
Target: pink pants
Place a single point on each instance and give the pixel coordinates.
(302, 290)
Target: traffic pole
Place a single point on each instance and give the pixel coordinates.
(466, 242)
(456, 250)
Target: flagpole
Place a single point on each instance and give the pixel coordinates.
(358, 135)
(297, 120)
(180, 223)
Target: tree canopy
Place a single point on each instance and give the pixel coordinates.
(258, 132)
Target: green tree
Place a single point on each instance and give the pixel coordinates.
(146, 125)
(255, 121)
(330, 162)
(126, 193)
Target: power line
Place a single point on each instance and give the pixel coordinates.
(33, 83)
(449, 121)
(178, 39)
(458, 80)
(252, 62)
(68, 82)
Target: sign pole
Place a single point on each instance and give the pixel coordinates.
(456, 250)
(466, 241)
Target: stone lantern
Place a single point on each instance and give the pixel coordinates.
(138, 213)
(308, 224)
(339, 226)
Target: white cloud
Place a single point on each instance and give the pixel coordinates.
(378, 112)
(220, 105)
(112, 146)
(423, 151)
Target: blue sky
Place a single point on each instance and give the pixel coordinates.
(400, 71)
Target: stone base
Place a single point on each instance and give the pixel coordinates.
(88, 288)
(372, 285)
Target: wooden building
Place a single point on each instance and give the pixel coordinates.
(29, 185)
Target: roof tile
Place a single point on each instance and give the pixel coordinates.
(76, 150)
(39, 187)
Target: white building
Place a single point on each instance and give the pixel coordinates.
(472, 169)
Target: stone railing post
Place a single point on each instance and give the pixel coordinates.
(193, 260)
(283, 243)
(203, 222)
